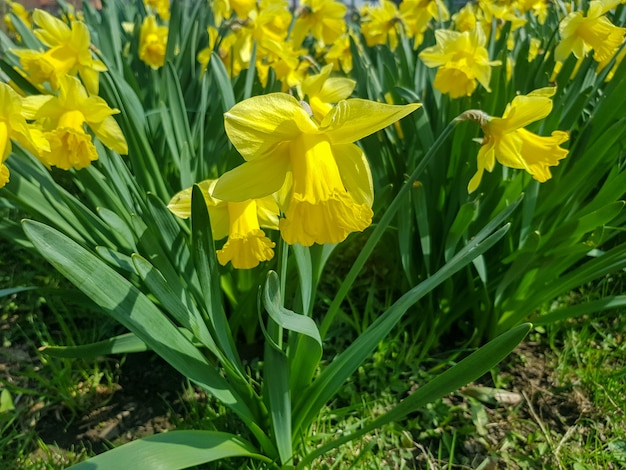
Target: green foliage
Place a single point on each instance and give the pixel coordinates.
(479, 264)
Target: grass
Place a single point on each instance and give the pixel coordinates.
(33, 385)
(558, 401)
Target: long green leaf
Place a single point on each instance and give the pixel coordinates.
(173, 450)
(126, 343)
(122, 301)
(333, 377)
(464, 372)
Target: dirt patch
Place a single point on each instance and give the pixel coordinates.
(142, 404)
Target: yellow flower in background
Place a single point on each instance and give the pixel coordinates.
(323, 175)
(539, 8)
(19, 11)
(501, 13)
(62, 120)
(161, 7)
(417, 14)
(323, 90)
(324, 19)
(507, 141)
(534, 48)
(287, 62)
(465, 19)
(267, 27)
(247, 244)
(581, 34)
(13, 126)
(340, 54)
(68, 53)
(462, 60)
(205, 54)
(381, 24)
(152, 42)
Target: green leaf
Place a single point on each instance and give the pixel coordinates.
(575, 311)
(469, 369)
(332, 378)
(122, 301)
(205, 261)
(173, 450)
(309, 337)
(6, 401)
(459, 227)
(14, 290)
(223, 81)
(126, 343)
(176, 302)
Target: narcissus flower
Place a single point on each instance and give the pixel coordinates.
(581, 34)
(19, 11)
(323, 91)
(247, 244)
(324, 19)
(69, 53)
(13, 126)
(505, 139)
(323, 175)
(416, 15)
(162, 7)
(381, 24)
(152, 42)
(462, 60)
(62, 120)
(340, 54)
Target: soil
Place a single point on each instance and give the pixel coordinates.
(142, 404)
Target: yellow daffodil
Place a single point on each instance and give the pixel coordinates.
(205, 54)
(322, 90)
(324, 19)
(247, 244)
(324, 176)
(286, 60)
(152, 42)
(505, 139)
(19, 11)
(161, 7)
(465, 19)
(539, 8)
(381, 24)
(500, 14)
(340, 54)
(68, 53)
(266, 27)
(581, 34)
(417, 14)
(62, 120)
(462, 60)
(13, 126)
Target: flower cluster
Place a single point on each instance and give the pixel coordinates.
(301, 165)
(53, 126)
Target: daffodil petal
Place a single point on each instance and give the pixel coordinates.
(32, 104)
(53, 31)
(355, 172)
(180, 206)
(110, 134)
(313, 84)
(526, 109)
(254, 179)
(257, 125)
(354, 119)
(268, 210)
(336, 89)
